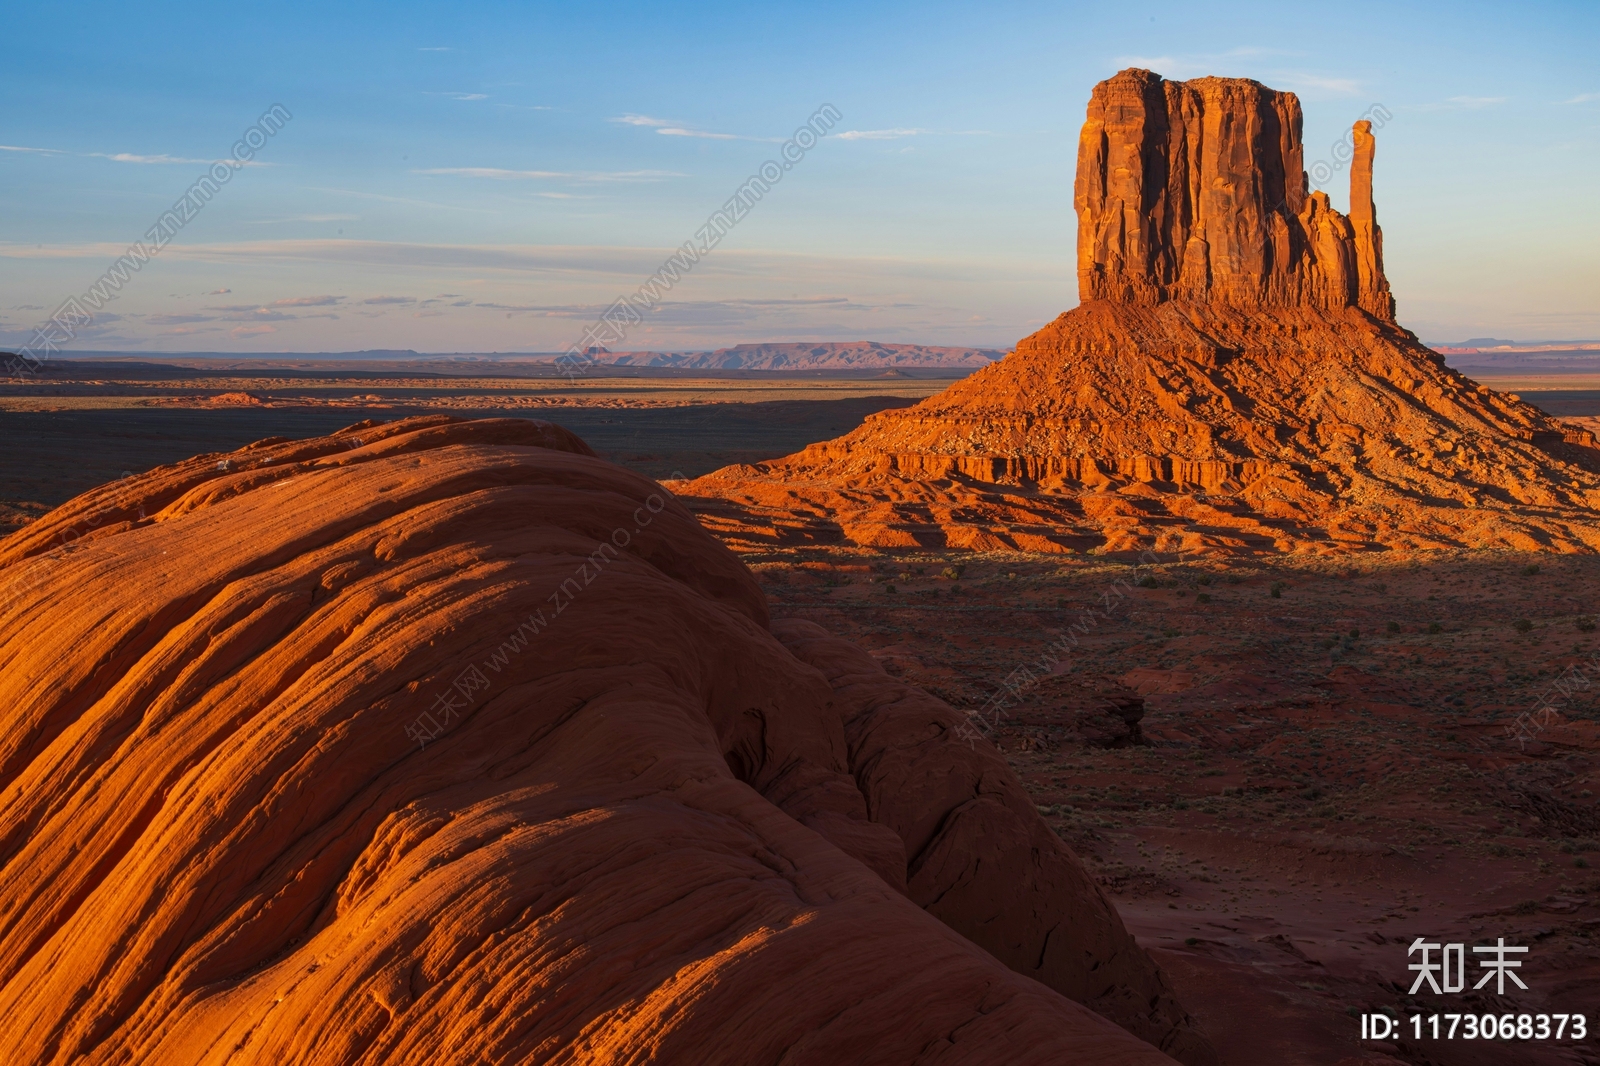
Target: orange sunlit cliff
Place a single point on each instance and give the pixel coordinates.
(1233, 380)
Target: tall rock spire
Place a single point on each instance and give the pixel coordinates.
(1196, 191)
(1372, 293)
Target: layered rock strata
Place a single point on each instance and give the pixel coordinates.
(449, 742)
(1234, 380)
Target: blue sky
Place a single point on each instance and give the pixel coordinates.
(485, 177)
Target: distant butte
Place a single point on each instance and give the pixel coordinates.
(1233, 380)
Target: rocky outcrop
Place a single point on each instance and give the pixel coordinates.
(449, 742)
(1195, 190)
(1233, 381)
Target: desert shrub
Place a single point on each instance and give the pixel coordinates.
(1355, 634)
(1531, 569)
(888, 588)
(1392, 627)
(1585, 624)
(1435, 627)
(1204, 597)
(1203, 579)
(1522, 625)
(954, 572)
(1276, 591)
(1148, 582)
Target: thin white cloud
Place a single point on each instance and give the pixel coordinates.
(20, 148)
(459, 96)
(670, 128)
(437, 48)
(250, 331)
(302, 218)
(674, 131)
(502, 174)
(390, 300)
(1299, 79)
(218, 292)
(163, 158)
(307, 301)
(129, 157)
(878, 135)
(1581, 98)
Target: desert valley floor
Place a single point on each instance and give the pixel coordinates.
(1333, 756)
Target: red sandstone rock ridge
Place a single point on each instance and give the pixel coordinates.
(449, 742)
(1233, 380)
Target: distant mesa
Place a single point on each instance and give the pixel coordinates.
(1234, 380)
(448, 742)
(854, 355)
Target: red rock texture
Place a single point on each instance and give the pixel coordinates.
(1233, 381)
(1195, 190)
(449, 742)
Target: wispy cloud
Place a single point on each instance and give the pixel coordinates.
(878, 135)
(1461, 103)
(218, 292)
(163, 158)
(129, 157)
(675, 131)
(672, 128)
(437, 48)
(251, 331)
(306, 301)
(1300, 79)
(20, 148)
(303, 218)
(501, 174)
(1581, 98)
(460, 96)
(390, 300)
(175, 320)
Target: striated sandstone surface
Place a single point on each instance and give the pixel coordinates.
(1233, 380)
(449, 742)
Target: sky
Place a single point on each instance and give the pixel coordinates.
(480, 177)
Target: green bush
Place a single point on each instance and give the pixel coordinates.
(1276, 591)
(1522, 625)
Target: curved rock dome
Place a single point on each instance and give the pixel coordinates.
(449, 742)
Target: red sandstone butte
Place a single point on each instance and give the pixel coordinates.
(448, 742)
(1233, 380)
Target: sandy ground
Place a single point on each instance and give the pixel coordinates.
(1330, 774)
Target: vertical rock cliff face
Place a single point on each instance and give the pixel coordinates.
(1196, 190)
(1235, 367)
